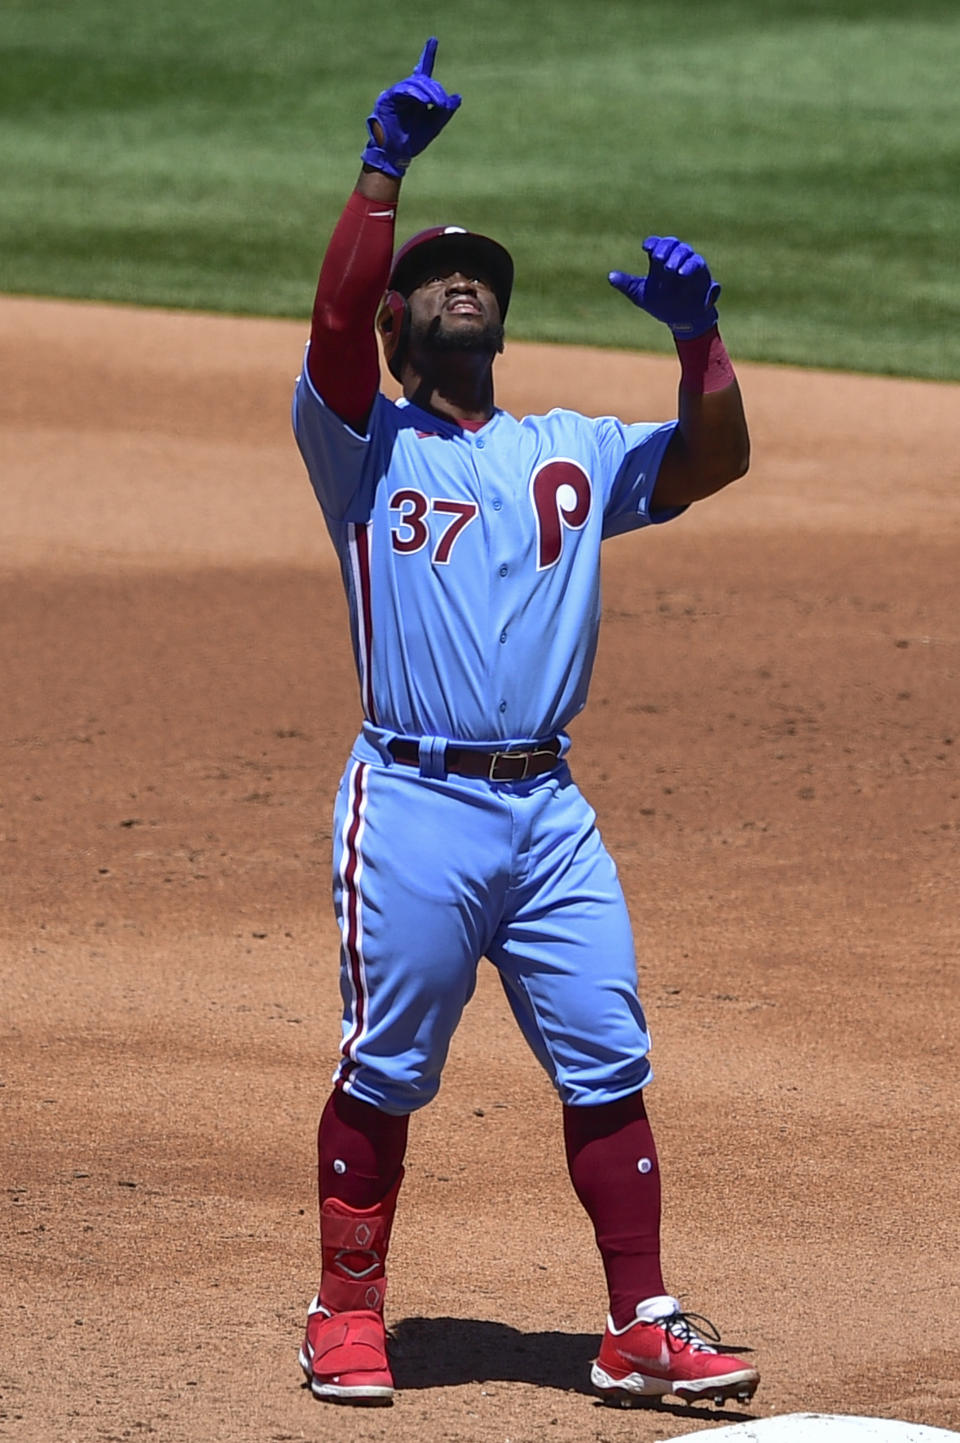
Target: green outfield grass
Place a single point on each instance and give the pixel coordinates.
(197, 155)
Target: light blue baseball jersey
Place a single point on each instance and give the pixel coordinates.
(471, 558)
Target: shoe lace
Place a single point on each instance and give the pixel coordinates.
(695, 1331)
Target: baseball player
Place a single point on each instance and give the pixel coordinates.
(469, 542)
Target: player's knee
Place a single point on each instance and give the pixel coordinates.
(397, 1089)
(591, 1088)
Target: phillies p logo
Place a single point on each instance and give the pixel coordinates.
(561, 494)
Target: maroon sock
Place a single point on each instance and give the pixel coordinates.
(613, 1167)
(359, 1151)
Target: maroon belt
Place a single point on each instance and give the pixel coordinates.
(512, 766)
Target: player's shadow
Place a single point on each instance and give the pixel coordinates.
(444, 1352)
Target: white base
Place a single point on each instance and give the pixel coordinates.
(825, 1428)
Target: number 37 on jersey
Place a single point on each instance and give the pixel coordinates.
(560, 498)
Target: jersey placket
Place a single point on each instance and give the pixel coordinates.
(500, 511)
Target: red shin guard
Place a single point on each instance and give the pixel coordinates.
(354, 1244)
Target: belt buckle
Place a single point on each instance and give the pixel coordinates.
(508, 756)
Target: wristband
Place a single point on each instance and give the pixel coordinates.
(704, 363)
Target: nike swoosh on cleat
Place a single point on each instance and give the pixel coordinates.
(646, 1361)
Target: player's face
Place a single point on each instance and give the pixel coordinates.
(455, 309)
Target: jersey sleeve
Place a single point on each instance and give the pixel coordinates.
(339, 460)
(631, 455)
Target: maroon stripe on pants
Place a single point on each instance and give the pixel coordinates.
(353, 942)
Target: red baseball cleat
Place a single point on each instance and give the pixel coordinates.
(344, 1356)
(662, 1352)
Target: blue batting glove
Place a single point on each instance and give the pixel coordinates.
(407, 117)
(678, 290)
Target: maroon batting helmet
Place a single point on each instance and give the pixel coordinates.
(444, 243)
(440, 244)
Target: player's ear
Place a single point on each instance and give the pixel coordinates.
(393, 321)
(391, 313)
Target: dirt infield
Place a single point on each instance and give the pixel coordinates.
(772, 745)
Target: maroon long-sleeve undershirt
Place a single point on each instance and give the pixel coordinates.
(343, 361)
